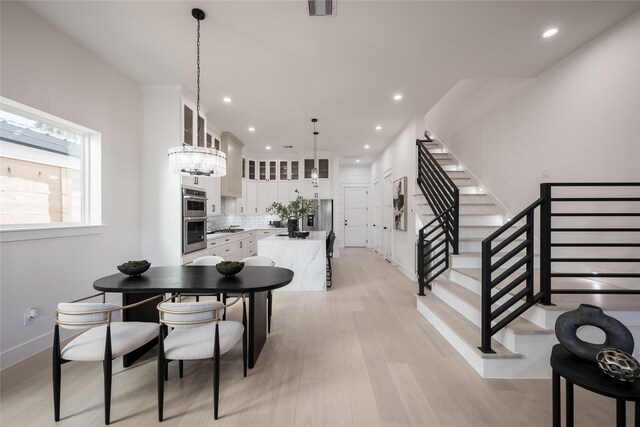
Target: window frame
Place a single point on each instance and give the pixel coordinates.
(91, 209)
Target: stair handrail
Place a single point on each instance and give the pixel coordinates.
(488, 298)
(492, 322)
(428, 262)
(443, 197)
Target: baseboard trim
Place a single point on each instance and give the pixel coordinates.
(407, 272)
(30, 348)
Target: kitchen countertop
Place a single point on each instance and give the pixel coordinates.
(313, 235)
(216, 235)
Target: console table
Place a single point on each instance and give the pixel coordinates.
(589, 376)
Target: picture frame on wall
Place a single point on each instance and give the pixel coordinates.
(400, 204)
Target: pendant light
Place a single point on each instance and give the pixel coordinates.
(314, 172)
(193, 160)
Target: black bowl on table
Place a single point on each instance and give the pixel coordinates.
(229, 268)
(134, 268)
(301, 234)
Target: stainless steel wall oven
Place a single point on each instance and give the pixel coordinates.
(194, 219)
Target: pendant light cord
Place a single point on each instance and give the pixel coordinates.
(198, 84)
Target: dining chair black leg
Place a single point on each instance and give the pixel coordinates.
(216, 372)
(106, 364)
(269, 296)
(197, 298)
(57, 365)
(224, 311)
(180, 368)
(160, 376)
(166, 371)
(107, 368)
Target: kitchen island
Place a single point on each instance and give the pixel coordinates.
(306, 257)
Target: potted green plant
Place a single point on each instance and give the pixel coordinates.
(297, 208)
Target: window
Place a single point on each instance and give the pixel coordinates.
(49, 170)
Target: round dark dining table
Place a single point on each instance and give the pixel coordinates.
(196, 279)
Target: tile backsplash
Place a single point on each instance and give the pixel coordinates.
(244, 221)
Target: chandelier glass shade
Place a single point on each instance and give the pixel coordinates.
(197, 161)
(191, 160)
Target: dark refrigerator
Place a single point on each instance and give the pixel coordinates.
(321, 218)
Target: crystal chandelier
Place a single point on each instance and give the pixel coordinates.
(314, 172)
(193, 160)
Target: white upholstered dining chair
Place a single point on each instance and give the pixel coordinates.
(194, 331)
(208, 260)
(262, 261)
(103, 340)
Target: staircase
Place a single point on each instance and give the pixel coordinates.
(453, 307)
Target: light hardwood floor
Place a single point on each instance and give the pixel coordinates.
(358, 355)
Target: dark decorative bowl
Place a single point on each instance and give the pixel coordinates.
(302, 234)
(229, 268)
(134, 268)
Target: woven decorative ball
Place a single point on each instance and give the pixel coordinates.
(618, 364)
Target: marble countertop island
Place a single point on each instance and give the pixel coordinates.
(306, 257)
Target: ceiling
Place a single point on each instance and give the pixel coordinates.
(282, 67)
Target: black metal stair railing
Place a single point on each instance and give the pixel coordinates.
(588, 215)
(440, 236)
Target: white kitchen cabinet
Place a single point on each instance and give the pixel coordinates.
(283, 192)
(267, 194)
(241, 203)
(231, 183)
(322, 191)
(323, 168)
(293, 186)
(252, 197)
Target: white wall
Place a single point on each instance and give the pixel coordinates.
(400, 157)
(577, 121)
(44, 69)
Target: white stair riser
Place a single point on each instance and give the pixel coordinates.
(476, 231)
(469, 190)
(462, 261)
(451, 167)
(473, 246)
(458, 174)
(487, 209)
(445, 162)
(476, 198)
(479, 219)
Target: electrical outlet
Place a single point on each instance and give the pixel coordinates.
(30, 316)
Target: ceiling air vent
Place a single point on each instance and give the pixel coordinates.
(321, 7)
(287, 146)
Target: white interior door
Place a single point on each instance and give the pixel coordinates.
(377, 228)
(387, 217)
(355, 217)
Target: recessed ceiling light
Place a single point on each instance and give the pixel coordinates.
(366, 147)
(550, 33)
(357, 160)
(268, 147)
(252, 129)
(397, 97)
(378, 127)
(226, 99)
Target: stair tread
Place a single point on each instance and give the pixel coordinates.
(466, 330)
(563, 302)
(519, 326)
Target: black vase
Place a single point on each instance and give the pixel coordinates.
(617, 335)
(292, 227)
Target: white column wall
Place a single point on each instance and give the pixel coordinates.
(44, 69)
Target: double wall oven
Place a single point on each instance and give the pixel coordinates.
(194, 219)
